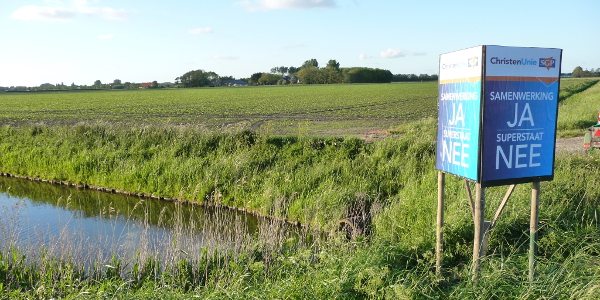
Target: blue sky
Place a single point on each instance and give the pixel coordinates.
(80, 41)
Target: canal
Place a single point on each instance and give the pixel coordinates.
(90, 226)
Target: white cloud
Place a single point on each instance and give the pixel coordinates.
(200, 30)
(394, 53)
(224, 57)
(47, 13)
(363, 56)
(103, 12)
(284, 4)
(106, 36)
(42, 13)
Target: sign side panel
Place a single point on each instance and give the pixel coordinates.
(459, 112)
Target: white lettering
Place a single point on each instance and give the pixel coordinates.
(500, 151)
(518, 155)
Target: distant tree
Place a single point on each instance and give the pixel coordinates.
(293, 70)
(197, 78)
(117, 82)
(577, 72)
(332, 75)
(268, 78)
(282, 70)
(308, 75)
(279, 70)
(368, 75)
(46, 86)
(254, 78)
(333, 64)
(166, 85)
(587, 73)
(154, 84)
(98, 84)
(310, 63)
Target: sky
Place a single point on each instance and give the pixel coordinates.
(81, 41)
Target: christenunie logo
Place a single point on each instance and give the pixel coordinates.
(473, 62)
(547, 63)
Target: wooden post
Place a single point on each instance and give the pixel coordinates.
(479, 223)
(490, 225)
(470, 198)
(440, 225)
(533, 228)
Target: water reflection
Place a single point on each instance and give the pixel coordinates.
(90, 225)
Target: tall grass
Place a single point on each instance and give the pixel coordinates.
(389, 185)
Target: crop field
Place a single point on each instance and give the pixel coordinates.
(325, 110)
(317, 109)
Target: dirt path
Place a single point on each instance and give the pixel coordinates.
(574, 144)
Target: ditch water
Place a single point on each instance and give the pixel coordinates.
(91, 224)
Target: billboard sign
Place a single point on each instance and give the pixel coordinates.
(459, 112)
(516, 115)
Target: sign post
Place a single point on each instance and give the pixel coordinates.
(497, 126)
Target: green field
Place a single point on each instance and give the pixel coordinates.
(318, 109)
(88, 137)
(322, 110)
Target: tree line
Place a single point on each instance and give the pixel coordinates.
(308, 73)
(97, 85)
(578, 72)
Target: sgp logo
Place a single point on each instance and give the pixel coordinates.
(473, 62)
(547, 63)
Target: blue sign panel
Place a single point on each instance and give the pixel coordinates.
(520, 112)
(519, 131)
(459, 117)
(458, 132)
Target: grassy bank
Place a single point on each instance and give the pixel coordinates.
(390, 184)
(579, 111)
(312, 180)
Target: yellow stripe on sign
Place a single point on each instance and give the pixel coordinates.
(473, 80)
